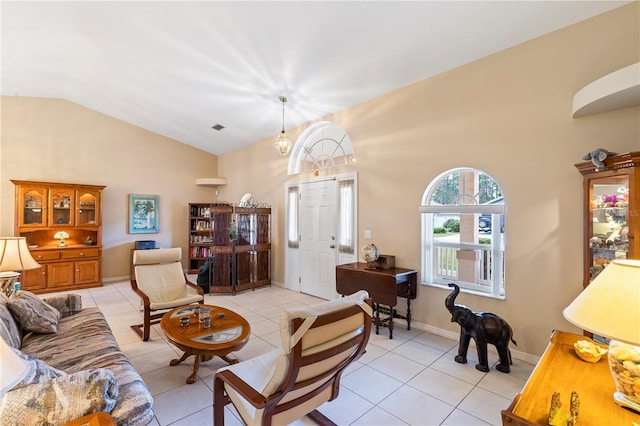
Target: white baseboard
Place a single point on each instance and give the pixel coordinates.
(516, 354)
(114, 279)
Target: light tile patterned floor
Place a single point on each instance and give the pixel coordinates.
(410, 380)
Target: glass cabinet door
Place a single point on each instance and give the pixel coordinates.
(608, 222)
(33, 210)
(87, 205)
(61, 208)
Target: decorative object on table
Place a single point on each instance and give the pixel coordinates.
(143, 214)
(61, 235)
(282, 143)
(184, 321)
(385, 261)
(589, 351)
(88, 241)
(15, 257)
(609, 307)
(483, 328)
(562, 417)
(370, 254)
(597, 156)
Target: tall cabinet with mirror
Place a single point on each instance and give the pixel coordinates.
(611, 212)
(62, 225)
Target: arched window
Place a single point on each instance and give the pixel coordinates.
(463, 238)
(321, 146)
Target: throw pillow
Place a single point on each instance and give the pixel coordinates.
(9, 329)
(32, 313)
(38, 371)
(61, 399)
(67, 304)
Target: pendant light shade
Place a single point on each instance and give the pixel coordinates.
(282, 143)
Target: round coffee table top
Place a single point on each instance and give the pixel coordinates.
(228, 332)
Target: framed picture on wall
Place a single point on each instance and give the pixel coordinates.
(143, 214)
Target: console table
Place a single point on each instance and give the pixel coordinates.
(560, 370)
(384, 287)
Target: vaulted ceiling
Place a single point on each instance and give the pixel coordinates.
(179, 68)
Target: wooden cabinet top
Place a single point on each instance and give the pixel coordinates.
(361, 266)
(613, 162)
(57, 184)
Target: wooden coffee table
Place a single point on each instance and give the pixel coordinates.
(229, 332)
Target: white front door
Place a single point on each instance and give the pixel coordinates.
(318, 232)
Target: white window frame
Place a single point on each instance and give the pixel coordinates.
(490, 281)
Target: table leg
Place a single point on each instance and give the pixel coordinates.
(229, 360)
(377, 309)
(196, 366)
(408, 313)
(182, 358)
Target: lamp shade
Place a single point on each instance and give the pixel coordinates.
(610, 305)
(61, 235)
(15, 255)
(12, 368)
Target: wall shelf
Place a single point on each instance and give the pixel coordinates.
(211, 181)
(620, 89)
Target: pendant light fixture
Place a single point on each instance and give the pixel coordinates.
(282, 143)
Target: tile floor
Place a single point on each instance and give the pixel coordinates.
(410, 380)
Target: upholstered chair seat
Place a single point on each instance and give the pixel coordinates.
(161, 284)
(280, 386)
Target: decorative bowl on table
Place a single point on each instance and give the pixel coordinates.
(589, 351)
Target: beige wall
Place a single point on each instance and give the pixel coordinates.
(58, 141)
(508, 115)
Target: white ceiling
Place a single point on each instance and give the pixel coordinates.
(178, 68)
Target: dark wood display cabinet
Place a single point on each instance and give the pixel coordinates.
(236, 240)
(42, 210)
(611, 212)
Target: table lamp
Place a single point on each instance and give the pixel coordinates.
(61, 235)
(14, 258)
(13, 368)
(610, 307)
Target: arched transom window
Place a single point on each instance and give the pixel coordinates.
(321, 146)
(463, 238)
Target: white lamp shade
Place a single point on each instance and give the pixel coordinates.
(15, 255)
(610, 305)
(12, 368)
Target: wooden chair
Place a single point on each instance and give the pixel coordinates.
(318, 343)
(161, 284)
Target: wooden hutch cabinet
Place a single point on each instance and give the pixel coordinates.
(42, 210)
(611, 212)
(236, 239)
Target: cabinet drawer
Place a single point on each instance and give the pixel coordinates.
(80, 253)
(45, 255)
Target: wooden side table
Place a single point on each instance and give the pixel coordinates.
(560, 370)
(384, 287)
(99, 418)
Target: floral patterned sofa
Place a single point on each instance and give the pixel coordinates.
(76, 365)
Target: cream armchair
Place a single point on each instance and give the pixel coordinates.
(161, 284)
(318, 343)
